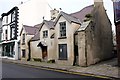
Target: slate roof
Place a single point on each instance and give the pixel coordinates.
(84, 26)
(30, 30)
(81, 14)
(77, 17)
(38, 25)
(67, 17)
(50, 25)
(36, 37)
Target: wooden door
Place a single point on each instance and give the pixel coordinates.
(44, 52)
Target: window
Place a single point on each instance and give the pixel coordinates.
(23, 53)
(13, 16)
(45, 34)
(62, 29)
(6, 34)
(23, 41)
(6, 19)
(63, 51)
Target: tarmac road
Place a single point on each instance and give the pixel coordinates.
(10, 70)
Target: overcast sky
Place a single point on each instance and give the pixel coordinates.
(68, 6)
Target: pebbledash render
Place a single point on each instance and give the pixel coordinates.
(82, 38)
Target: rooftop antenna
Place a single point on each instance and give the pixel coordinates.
(50, 6)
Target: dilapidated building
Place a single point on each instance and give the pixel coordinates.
(26, 34)
(82, 38)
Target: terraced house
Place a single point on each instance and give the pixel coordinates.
(74, 39)
(26, 34)
(9, 42)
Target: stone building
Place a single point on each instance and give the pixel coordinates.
(82, 38)
(26, 34)
(45, 43)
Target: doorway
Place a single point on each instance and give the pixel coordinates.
(44, 53)
(76, 56)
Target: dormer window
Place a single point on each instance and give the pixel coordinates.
(45, 34)
(62, 29)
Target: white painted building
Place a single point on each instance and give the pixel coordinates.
(30, 13)
(0, 35)
(9, 43)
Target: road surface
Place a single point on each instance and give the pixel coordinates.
(11, 70)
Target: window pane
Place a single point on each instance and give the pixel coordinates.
(62, 29)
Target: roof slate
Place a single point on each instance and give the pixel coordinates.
(81, 14)
(50, 24)
(30, 30)
(36, 37)
(67, 17)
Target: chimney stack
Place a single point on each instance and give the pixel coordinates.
(54, 14)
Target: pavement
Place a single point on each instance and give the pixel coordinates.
(105, 69)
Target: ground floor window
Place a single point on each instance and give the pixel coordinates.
(8, 49)
(62, 51)
(23, 53)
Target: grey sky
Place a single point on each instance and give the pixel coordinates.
(68, 6)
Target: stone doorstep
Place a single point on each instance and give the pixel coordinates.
(69, 69)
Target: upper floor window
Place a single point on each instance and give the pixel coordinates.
(6, 32)
(6, 19)
(62, 29)
(13, 16)
(45, 34)
(23, 39)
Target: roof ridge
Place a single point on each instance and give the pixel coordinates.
(81, 9)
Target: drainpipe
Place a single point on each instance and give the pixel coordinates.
(29, 53)
(85, 50)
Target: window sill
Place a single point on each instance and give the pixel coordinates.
(62, 37)
(62, 59)
(45, 37)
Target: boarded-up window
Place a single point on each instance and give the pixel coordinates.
(62, 51)
(23, 53)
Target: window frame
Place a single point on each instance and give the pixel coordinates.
(61, 55)
(45, 34)
(62, 29)
(23, 53)
(13, 16)
(23, 39)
